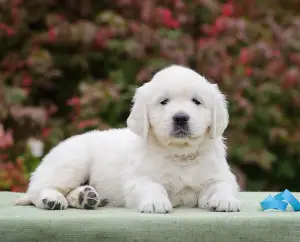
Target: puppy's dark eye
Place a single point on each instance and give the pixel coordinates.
(165, 101)
(196, 101)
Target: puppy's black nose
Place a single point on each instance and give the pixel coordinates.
(181, 118)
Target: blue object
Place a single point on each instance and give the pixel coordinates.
(281, 201)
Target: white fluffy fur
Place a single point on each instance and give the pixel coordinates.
(143, 166)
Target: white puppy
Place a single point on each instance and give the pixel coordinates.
(172, 154)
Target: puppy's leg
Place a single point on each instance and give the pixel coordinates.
(85, 197)
(64, 168)
(219, 196)
(147, 196)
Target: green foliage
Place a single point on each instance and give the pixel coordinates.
(71, 66)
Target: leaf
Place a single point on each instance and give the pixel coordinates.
(14, 95)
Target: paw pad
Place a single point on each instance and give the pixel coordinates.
(89, 198)
(103, 202)
(52, 205)
(87, 189)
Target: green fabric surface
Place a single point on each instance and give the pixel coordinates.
(119, 224)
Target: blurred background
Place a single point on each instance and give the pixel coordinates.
(69, 66)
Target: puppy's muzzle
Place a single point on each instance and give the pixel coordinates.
(181, 119)
(180, 125)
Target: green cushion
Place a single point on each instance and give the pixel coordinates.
(118, 224)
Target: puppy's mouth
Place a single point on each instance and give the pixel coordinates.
(180, 132)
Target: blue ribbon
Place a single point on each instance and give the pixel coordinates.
(281, 201)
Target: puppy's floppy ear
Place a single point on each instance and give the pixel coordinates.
(220, 116)
(138, 121)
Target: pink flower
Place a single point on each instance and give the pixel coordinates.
(165, 16)
(9, 138)
(173, 23)
(227, 9)
(244, 56)
(26, 80)
(295, 58)
(213, 31)
(248, 71)
(51, 35)
(3, 157)
(134, 27)
(10, 31)
(52, 109)
(87, 123)
(74, 101)
(6, 138)
(99, 39)
(46, 132)
(291, 77)
(201, 42)
(164, 13)
(221, 24)
(276, 53)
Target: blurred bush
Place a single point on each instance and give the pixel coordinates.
(69, 66)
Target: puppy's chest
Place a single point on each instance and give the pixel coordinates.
(175, 178)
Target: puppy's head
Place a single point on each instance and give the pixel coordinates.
(178, 107)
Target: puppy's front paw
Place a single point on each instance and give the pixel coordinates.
(223, 203)
(52, 200)
(155, 205)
